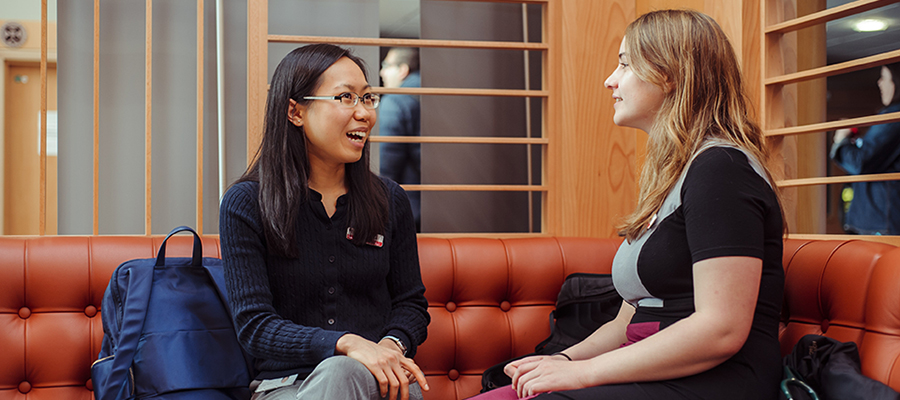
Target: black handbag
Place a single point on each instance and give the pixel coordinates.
(831, 369)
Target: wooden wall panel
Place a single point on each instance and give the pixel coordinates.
(781, 104)
(592, 163)
(257, 67)
(750, 51)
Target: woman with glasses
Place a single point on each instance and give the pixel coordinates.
(320, 254)
(700, 269)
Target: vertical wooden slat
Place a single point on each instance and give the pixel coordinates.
(528, 162)
(750, 51)
(220, 98)
(42, 219)
(779, 101)
(199, 226)
(257, 65)
(551, 217)
(148, 114)
(811, 149)
(96, 201)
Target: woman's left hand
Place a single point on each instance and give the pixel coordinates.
(549, 374)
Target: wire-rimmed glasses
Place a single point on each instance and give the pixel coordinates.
(350, 99)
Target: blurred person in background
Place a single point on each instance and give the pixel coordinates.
(874, 206)
(399, 115)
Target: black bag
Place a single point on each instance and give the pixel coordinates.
(585, 302)
(168, 332)
(832, 369)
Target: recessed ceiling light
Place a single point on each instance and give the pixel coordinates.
(870, 25)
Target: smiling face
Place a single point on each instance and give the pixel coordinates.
(335, 134)
(637, 101)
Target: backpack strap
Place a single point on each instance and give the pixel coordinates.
(197, 253)
(140, 283)
(540, 346)
(217, 276)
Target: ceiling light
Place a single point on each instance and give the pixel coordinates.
(870, 25)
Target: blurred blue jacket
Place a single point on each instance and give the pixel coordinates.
(875, 209)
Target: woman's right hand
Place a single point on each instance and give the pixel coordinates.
(511, 368)
(389, 366)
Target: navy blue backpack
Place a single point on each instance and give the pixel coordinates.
(168, 332)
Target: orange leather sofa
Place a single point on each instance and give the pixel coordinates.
(489, 300)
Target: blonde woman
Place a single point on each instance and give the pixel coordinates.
(700, 270)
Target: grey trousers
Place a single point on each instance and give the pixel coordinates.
(338, 377)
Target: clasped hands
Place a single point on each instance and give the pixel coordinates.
(539, 374)
(393, 371)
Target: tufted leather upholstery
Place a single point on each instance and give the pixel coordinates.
(849, 291)
(489, 300)
(51, 288)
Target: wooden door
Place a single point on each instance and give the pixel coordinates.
(21, 169)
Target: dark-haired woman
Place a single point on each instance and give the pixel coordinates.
(320, 254)
(875, 209)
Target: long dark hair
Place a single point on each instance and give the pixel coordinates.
(281, 165)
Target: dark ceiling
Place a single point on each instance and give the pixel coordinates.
(846, 44)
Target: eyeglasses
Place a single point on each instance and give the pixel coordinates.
(350, 99)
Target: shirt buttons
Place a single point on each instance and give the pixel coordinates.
(331, 290)
(330, 321)
(331, 259)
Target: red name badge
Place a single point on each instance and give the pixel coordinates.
(378, 242)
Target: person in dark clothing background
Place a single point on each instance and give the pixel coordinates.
(875, 207)
(399, 115)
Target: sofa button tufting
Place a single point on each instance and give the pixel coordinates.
(90, 311)
(25, 387)
(825, 325)
(451, 306)
(24, 312)
(453, 374)
(505, 306)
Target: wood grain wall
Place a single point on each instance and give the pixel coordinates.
(592, 167)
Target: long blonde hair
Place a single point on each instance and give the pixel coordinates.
(688, 55)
